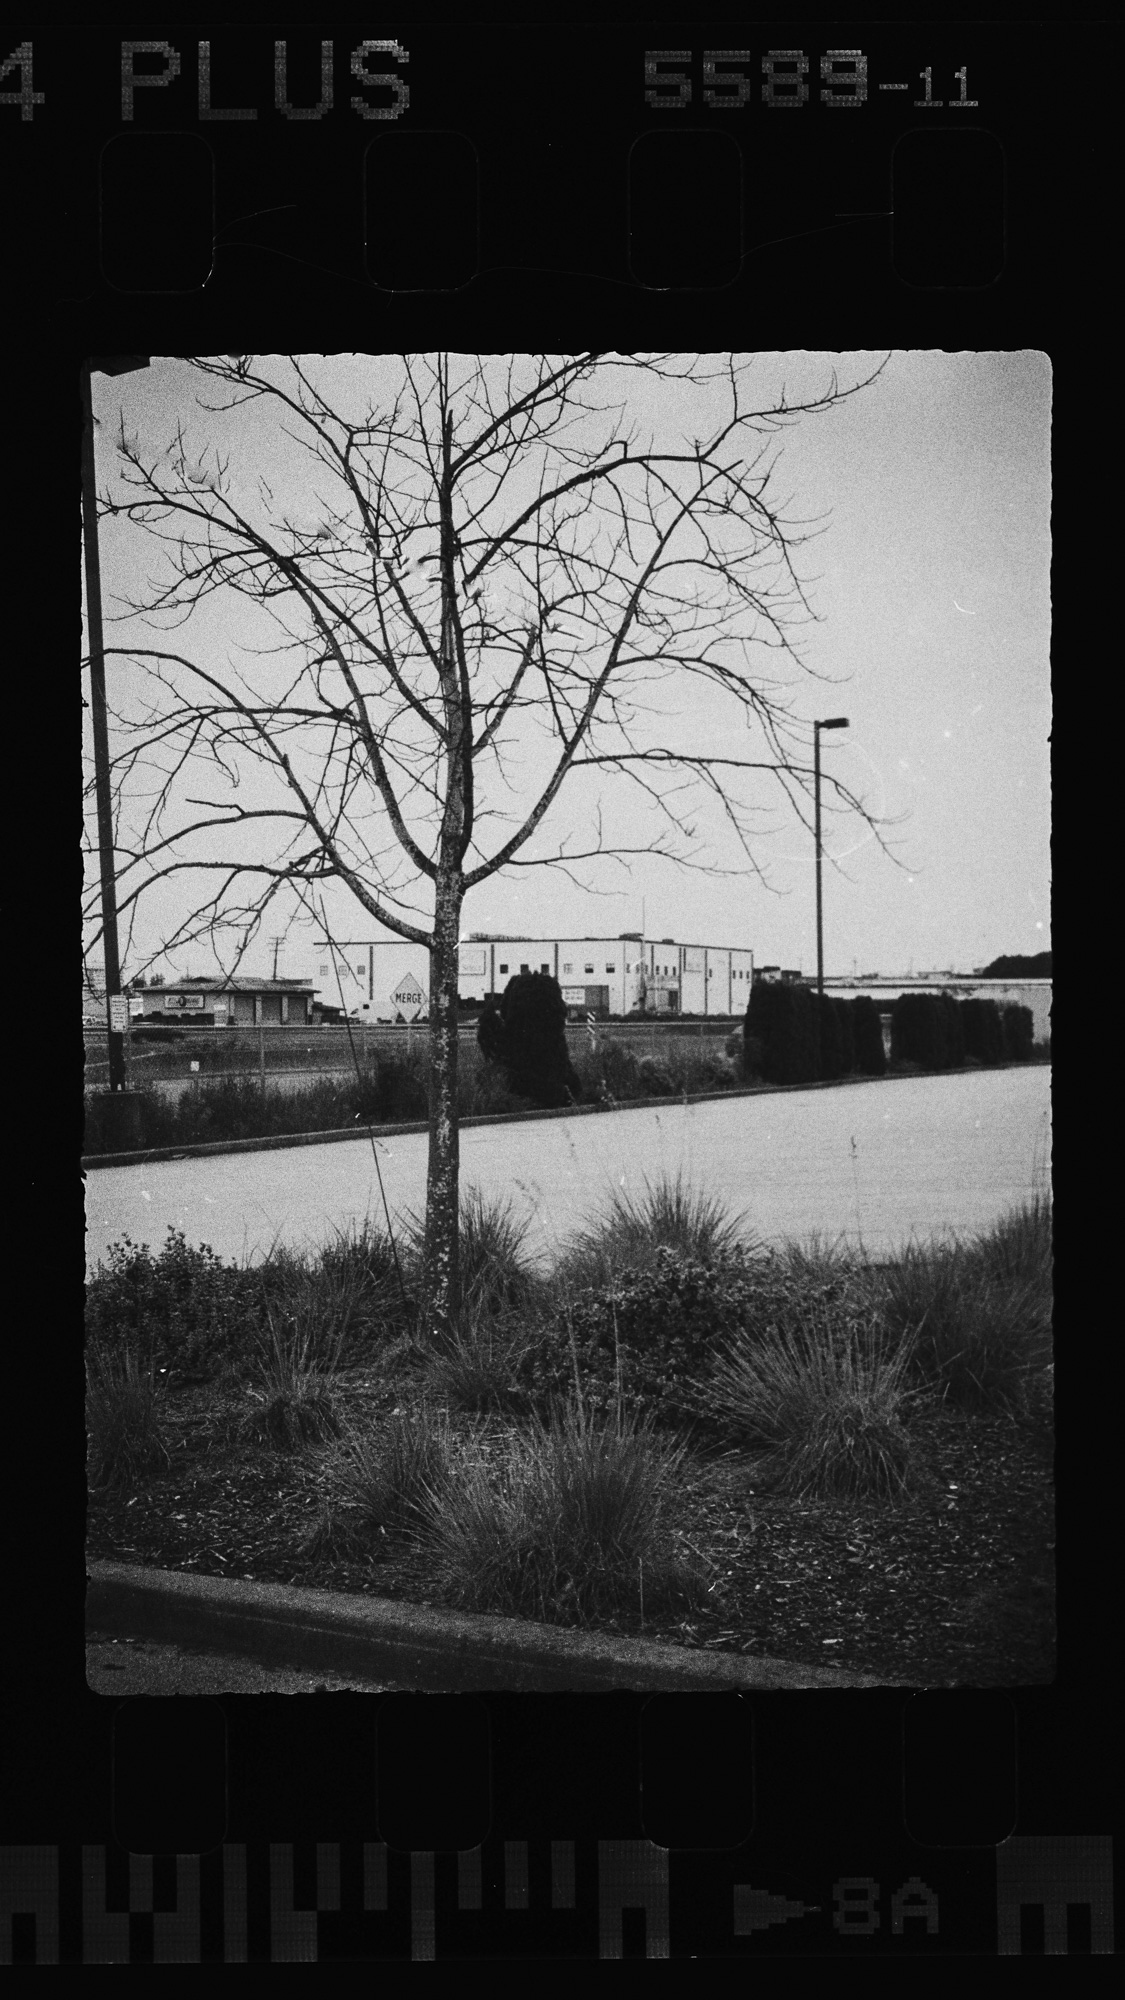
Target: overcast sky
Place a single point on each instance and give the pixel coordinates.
(931, 581)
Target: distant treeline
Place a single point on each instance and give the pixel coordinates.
(1015, 967)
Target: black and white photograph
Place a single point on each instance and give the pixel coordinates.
(567, 993)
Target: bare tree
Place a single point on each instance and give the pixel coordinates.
(484, 575)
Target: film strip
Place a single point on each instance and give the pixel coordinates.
(492, 189)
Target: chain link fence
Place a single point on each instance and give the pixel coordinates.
(169, 1060)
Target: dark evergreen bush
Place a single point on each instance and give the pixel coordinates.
(845, 1015)
(953, 1052)
(984, 1030)
(918, 1031)
(867, 1029)
(529, 1040)
(1019, 1033)
(832, 1051)
(785, 1017)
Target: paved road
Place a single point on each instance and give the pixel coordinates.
(120, 1667)
(878, 1162)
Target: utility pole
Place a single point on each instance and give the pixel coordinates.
(115, 1021)
(833, 722)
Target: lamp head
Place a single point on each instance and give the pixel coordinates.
(834, 722)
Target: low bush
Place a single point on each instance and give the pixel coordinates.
(183, 1310)
(650, 1334)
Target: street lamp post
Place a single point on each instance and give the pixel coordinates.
(832, 722)
(124, 364)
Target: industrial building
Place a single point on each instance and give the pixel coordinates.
(605, 976)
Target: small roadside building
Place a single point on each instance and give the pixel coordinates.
(240, 1002)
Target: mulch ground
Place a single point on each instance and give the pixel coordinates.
(956, 1588)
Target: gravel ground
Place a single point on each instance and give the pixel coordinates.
(956, 1587)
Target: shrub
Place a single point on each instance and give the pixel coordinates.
(610, 1069)
(918, 1031)
(833, 1051)
(953, 1022)
(122, 1417)
(654, 1079)
(183, 1309)
(867, 1031)
(825, 1416)
(753, 1055)
(650, 1335)
(984, 1030)
(527, 1037)
(785, 1018)
(568, 1527)
(1019, 1034)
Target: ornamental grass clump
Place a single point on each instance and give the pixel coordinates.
(291, 1390)
(669, 1215)
(823, 1416)
(375, 1479)
(567, 1525)
(484, 1363)
(123, 1433)
(979, 1314)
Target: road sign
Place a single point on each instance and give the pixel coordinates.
(118, 1013)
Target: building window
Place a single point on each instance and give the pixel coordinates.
(324, 972)
(503, 968)
(525, 968)
(359, 972)
(544, 968)
(588, 968)
(611, 968)
(568, 966)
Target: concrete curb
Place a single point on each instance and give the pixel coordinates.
(433, 1650)
(279, 1140)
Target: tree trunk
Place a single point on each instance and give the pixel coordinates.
(442, 1260)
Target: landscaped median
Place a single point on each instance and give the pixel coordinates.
(413, 1645)
(672, 1438)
